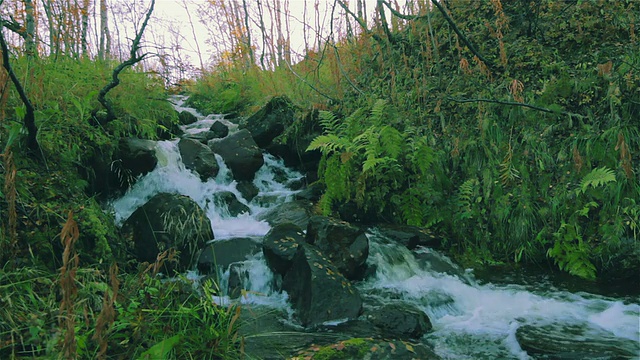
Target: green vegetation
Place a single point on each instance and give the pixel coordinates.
(59, 296)
(529, 157)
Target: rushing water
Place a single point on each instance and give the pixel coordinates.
(470, 320)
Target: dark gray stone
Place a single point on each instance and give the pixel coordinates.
(317, 291)
(168, 221)
(346, 245)
(280, 246)
(186, 118)
(222, 253)
(400, 320)
(230, 201)
(240, 153)
(198, 158)
(219, 130)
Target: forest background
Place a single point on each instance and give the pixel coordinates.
(511, 127)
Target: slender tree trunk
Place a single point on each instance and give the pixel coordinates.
(249, 44)
(85, 28)
(263, 32)
(105, 37)
(29, 117)
(30, 29)
(193, 33)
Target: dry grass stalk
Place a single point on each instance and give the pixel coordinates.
(70, 261)
(108, 313)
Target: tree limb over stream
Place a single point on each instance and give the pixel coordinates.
(133, 59)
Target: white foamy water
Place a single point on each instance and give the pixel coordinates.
(474, 321)
(470, 320)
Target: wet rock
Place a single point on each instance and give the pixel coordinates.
(410, 236)
(135, 157)
(168, 221)
(198, 158)
(248, 189)
(297, 212)
(218, 130)
(292, 145)
(400, 320)
(240, 153)
(270, 121)
(434, 261)
(238, 276)
(280, 245)
(229, 200)
(312, 192)
(369, 348)
(222, 253)
(345, 245)
(202, 137)
(574, 342)
(317, 291)
(186, 118)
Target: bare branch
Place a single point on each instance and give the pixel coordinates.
(29, 117)
(133, 59)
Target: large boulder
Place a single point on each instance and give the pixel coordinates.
(222, 253)
(168, 221)
(401, 321)
(346, 245)
(317, 291)
(280, 245)
(292, 144)
(134, 157)
(270, 121)
(198, 158)
(240, 153)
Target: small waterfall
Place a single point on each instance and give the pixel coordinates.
(470, 320)
(473, 321)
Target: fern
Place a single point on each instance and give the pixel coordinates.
(369, 161)
(596, 178)
(570, 252)
(328, 144)
(378, 111)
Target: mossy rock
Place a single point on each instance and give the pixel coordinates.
(368, 348)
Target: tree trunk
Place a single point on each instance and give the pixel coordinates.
(29, 117)
(134, 58)
(249, 45)
(85, 27)
(105, 37)
(30, 29)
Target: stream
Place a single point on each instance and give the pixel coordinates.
(472, 318)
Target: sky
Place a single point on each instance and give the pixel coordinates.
(173, 10)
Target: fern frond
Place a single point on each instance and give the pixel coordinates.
(328, 144)
(596, 178)
(330, 122)
(391, 140)
(378, 111)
